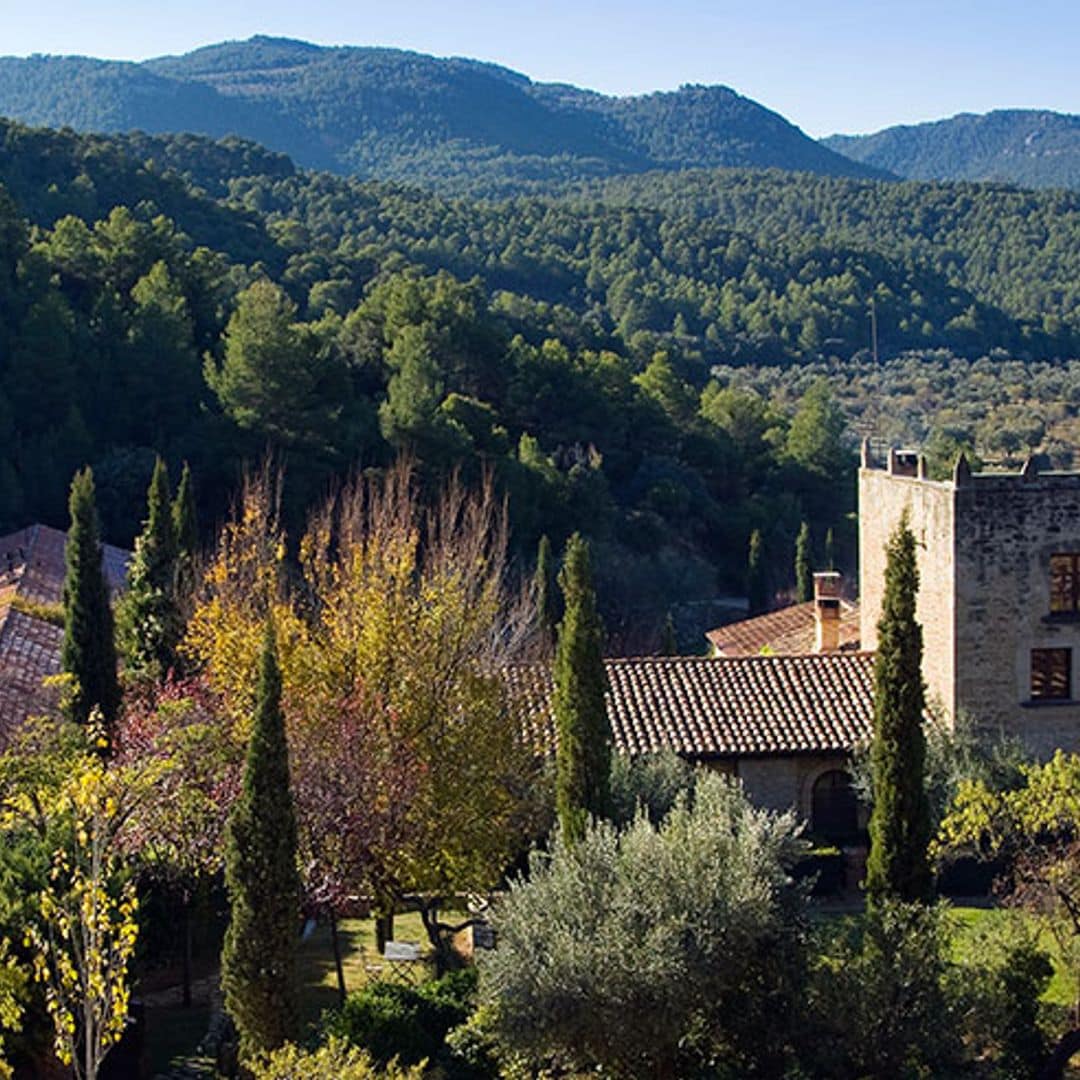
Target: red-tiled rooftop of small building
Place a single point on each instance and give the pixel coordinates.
(32, 560)
(32, 568)
(786, 632)
(726, 706)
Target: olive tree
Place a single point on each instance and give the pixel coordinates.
(660, 945)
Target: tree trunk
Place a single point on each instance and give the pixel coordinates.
(336, 941)
(185, 914)
(429, 915)
(384, 926)
(1062, 1054)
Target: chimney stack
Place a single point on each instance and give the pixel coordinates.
(827, 585)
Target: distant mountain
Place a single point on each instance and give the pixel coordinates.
(1034, 148)
(391, 114)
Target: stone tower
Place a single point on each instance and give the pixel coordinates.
(999, 592)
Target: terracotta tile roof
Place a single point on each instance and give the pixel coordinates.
(787, 632)
(32, 567)
(726, 706)
(32, 560)
(29, 651)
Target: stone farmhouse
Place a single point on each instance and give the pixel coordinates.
(999, 596)
(785, 697)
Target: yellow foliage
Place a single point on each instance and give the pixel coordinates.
(337, 1060)
(411, 606)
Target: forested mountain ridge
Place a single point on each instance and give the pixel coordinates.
(1033, 147)
(207, 300)
(391, 114)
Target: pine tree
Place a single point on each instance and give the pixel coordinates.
(149, 617)
(583, 758)
(88, 652)
(544, 590)
(258, 961)
(757, 589)
(186, 531)
(897, 867)
(804, 565)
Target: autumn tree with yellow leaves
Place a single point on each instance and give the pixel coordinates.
(55, 784)
(403, 605)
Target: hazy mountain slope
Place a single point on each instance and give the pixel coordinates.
(394, 114)
(1023, 146)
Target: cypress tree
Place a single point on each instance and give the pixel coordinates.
(804, 565)
(185, 523)
(583, 758)
(897, 866)
(186, 531)
(544, 590)
(757, 589)
(150, 620)
(88, 652)
(258, 961)
(830, 555)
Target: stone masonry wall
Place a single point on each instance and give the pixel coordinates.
(1007, 527)
(786, 783)
(882, 499)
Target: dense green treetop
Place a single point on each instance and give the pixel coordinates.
(634, 359)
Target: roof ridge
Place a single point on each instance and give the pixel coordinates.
(841, 654)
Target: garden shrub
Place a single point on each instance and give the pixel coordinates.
(336, 1060)
(651, 782)
(407, 1022)
(656, 949)
(879, 1005)
(1000, 986)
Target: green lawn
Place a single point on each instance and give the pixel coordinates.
(318, 980)
(173, 1033)
(971, 921)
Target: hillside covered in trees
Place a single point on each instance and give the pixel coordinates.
(390, 114)
(1033, 147)
(592, 344)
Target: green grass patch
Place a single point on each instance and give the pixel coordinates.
(970, 921)
(315, 960)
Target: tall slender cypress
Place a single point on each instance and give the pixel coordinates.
(149, 617)
(804, 565)
(258, 961)
(186, 531)
(897, 866)
(185, 523)
(830, 554)
(757, 589)
(583, 758)
(544, 590)
(88, 652)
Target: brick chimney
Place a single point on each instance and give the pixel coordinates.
(827, 611)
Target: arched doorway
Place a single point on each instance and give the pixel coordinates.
(834, 809)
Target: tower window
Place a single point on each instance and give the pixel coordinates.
(1065, 583)
(1051, 674)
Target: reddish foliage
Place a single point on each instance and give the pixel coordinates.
(356, 779)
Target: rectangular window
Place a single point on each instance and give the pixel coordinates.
(1065, 583)
(1051, 674)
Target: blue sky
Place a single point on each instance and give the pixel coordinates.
(834, 65)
